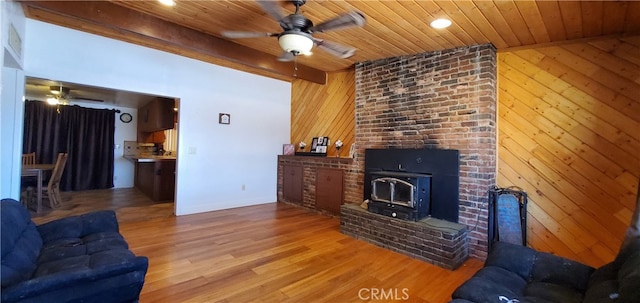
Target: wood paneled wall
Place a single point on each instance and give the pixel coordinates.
(568, 131)
(324, 110)
(569, 135)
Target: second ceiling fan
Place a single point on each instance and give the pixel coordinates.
(297, 35)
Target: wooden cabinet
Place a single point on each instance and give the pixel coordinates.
(292, 177)
(316, 183)
(145, 177)
(166, 181)
(157, 115)
(156, 179)
(154, 137)
(329, 189)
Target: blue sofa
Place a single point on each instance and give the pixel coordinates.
(76, 259)
(515, 273)
(519, 274)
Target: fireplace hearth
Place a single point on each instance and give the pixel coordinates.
(436, 241)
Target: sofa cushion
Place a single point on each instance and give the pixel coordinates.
(84, 262)
(602, 292)
(629, 247)
(503, 277)
(79, 226)
(21, 243)
(482, 290)
(71, 247)
(489, 284)
(552, 292)
(629, 279)
(603, 285)
(515, 258)
(552, 269)
(603, 273)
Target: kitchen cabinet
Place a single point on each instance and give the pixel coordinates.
(157, 115)
(292, 183)
(154, 137)
(329, 189)
(156, 178)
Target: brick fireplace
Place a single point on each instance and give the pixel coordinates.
(444, 100)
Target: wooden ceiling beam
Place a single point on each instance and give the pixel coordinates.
(114, 21)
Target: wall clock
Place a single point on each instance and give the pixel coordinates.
(126, 117)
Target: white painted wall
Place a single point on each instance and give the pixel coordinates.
(214, 160)
(11, 105)
(11, 117)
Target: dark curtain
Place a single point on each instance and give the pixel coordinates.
(86, 134)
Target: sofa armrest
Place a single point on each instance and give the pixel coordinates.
(75, 282)
(79, 226)
(514, 258)
(535, 266)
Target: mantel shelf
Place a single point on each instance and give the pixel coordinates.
(316, 158)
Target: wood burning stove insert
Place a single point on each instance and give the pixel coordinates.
(400, 195)
(412, 184)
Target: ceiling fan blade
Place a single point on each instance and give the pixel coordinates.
(272, 8)
(335, 49)
(86, 99)
(343, 21)
(286, 57)
(240, 35)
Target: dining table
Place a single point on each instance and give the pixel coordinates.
(37, 170)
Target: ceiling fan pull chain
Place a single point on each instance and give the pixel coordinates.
(295, 66)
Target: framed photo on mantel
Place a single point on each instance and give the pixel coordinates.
(319, 145)
(288, 149)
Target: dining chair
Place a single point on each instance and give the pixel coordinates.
(26, 189)
(52, 192)
(29, 159)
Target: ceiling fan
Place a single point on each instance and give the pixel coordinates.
(60, 95)
(296, 37)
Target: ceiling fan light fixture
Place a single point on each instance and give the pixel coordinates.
(296, 43)
(167, 2)
(440, 23)
(52, 101)
(58, 90)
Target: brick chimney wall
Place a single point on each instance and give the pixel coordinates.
(445, 99)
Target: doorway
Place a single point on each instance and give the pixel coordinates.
(125, 104)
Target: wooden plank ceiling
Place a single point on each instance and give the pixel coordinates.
(393, 28)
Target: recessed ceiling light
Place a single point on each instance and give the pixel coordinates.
(440, 23)
(167, 2)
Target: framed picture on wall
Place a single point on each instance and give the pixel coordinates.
(224, 118)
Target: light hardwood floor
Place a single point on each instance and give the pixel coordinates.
(266, 253)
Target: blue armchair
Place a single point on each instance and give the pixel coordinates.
(76, 259)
